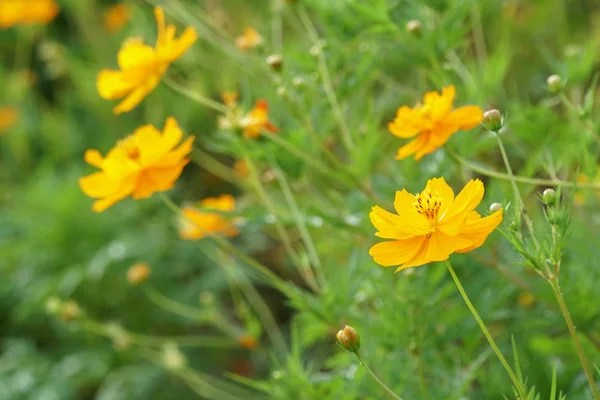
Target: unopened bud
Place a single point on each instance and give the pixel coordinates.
(414, 27)
(549, 196)
(493, 120)
(138, 273)
(275, 61)
(495, 207)
(555, 83)
(173, 358)
(247, 341)
(69, 311)
(349, 339)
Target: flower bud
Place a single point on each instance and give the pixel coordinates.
(414, 27)
(555, 83)
(172, 357)
(493, 120)
(247, 341)
(495, 207)
(349, 339)
(549, 196)
(275, 61)
(138, 273)
(69, 311)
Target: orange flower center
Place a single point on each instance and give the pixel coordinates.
(130, 147)
(428, 204)
(425, 111)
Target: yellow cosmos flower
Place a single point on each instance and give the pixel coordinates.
(431, 225)
(142, 66)
(249, 39)
(116, 16)
(256, 120)
(432, 122)
(196, 224)
(8, 117)
(146, 162)
(14, 12)
(230, 98)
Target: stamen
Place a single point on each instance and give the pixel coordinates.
(129, 145)
(428, 204)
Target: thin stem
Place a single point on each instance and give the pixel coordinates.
(214, 166)
(518, 385)
(567, 316)
(376, 378)
(522, 179)
(195, 96)
(521, 205)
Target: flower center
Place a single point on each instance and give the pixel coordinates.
(130, 147)
(428, 204)
(425, 111)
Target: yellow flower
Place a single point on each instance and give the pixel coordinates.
(196, 224)
(431, 225)
(230, 98)
(433, 122)
(256, 120)
(241, 169)
(249, 39)
(142, 66)
(8, 117)
(116, 16)
(14, 12)
(526, 299)
(143, 163)
(138, 273)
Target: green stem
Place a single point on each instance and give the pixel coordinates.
(567, 316)
(518, 385)
(521, 205)
(376, 378)
(195, 96)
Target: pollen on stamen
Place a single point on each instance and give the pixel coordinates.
(130, 147)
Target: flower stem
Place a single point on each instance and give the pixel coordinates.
(567, 316)
(518, 385)
(376, 378)
(513, 182)
(195, 96)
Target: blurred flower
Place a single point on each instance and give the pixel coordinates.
(247, 341)
(526, 300)
(69, 311)
(116, 16)
(139, 165)
(413, 26)
(172, 357)
(275, 61)
(349, 339)
(230, 98)
(431, 225)
(138, 273)
(196, 224)
(433, 122)
(555, 83)
(142, 66)
(493, 120)
(256, 120)
(8, 117)
(14, 12)
(579, 198)
(249, 39)
(241, 168)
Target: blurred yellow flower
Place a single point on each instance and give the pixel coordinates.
(139, 165)
(241, 169)
(580, 198)
(196, 224)
(433, 122)
(142, 66)
(14, 12)
(138, 273)
(229, 98)
(8, 117)
(526, 299)
(248, 341)
(249, 39)
(256, 120)
(431, 225)
(116, 16)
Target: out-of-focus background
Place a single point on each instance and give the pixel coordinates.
(415, 329)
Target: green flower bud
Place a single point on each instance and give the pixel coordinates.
(275, 61)
(414, 27)
(549, 196)
(349, 339)
(555, 83)
(493, 120)
(495, 207)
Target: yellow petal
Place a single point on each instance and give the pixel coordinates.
(464, 203)
(396, 252)
(440, 105)
(98, 184)
(114, 84)
(225, 202)
(150, 144)
(175, 156)
(157, 180)
(138, 94)
(94, 158)
(440, 246)
(134, 54)
(439, 187)
(412, 221)
(389, 226)
(413, 146)
(406, 124)
(180, 46)
(467, 117)
(159, 14)
(477, 229)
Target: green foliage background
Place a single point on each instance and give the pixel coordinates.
(416, 332)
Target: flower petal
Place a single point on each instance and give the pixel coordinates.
(467, 117)
(440, 246)
(138, 94)
(389, 226)
(124, 190)
(413, 146)
(175, 156)
(440, 105)
(98, 184)
(406, 124)
(477, 229)
(134, 53)
(94, 158)
(397, 252)
(114, 84)
(439, 187)
(179, 46)
(157, 180)
(464, 203)
(411, 220)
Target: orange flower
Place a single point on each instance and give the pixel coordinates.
(116, 16)
(241, 169)
(196, 224)
(433, 122)
(230, 98)
(431, 225)
(143, 163)
(8, 117)
(142, 66)
(14, 12)
(248, 341)
(138, 273)
(256, 120)
(249, 39)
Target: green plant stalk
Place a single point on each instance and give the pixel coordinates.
(518, 385)
(376, 378)
(195, 96)
(521, 205)
(567, 317)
